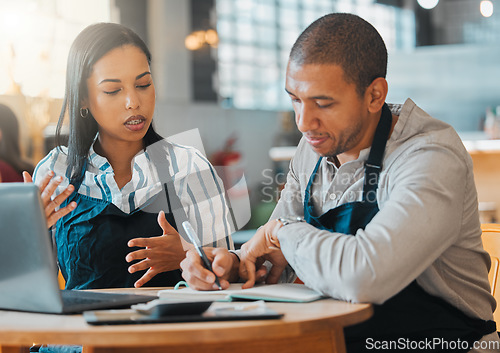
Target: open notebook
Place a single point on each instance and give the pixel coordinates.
(283, 292)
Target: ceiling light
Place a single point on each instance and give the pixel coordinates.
(428, 4)
(486, 8)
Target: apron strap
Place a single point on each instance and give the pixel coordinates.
(373, 164)
(307, 193)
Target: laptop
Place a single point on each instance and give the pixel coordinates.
(28, 269)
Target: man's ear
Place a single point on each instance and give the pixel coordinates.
(376, 93)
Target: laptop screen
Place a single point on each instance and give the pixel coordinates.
(28, 270)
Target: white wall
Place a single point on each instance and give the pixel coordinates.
(454, 83)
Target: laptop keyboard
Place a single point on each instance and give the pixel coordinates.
(74, 297)
(70, 297)
(89, 299)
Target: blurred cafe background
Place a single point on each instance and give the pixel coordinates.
(219, 67)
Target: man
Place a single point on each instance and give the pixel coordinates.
(379, 206)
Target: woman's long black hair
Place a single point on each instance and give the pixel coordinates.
(89, 46)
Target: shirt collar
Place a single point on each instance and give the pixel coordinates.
(140, 160)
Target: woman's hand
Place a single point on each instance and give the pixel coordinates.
(160, 254)
(47, 188)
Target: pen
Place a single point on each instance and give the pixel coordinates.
(194, 239)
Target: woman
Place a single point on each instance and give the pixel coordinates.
(124, 174)
(11, 163)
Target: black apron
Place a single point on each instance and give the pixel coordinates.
(412, 315)
(92, 240)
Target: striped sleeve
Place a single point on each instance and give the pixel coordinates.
(54, 161)
(202, 196)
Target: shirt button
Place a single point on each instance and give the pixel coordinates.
(333, 196)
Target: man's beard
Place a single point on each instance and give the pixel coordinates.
(346, 141)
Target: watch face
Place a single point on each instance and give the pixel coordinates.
(289, 220)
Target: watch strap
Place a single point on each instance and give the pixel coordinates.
(289, 220)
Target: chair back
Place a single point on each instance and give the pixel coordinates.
(491, 243)
(61, 281)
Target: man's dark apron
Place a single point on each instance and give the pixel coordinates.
(92, 240)
(412, 315)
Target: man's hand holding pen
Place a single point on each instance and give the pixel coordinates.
(227, 266)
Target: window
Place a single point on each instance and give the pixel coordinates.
(255, 37)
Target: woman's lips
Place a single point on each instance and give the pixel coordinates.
(135, 123)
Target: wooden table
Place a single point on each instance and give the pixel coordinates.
(307, 327)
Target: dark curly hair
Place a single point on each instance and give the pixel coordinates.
(345, 40)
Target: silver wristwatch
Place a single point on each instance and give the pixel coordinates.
(289, 220)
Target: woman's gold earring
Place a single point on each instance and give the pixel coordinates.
(84, 112)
